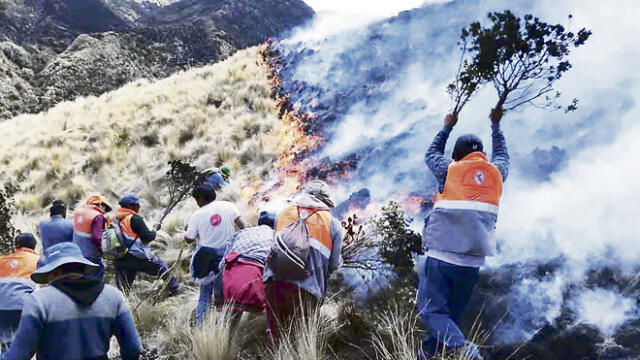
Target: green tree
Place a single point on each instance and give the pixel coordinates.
(397, 243)
(180, 178)
(521, 57)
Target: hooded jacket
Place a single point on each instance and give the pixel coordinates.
(73, 320)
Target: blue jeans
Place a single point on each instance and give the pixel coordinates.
(444, 291)
(205, 261)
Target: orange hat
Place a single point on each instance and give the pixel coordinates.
(98, 200)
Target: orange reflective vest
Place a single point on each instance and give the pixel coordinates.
(319, 225)
(471, 183)
(82, 219)
(20, 264)
(124, 217)
(465, 213)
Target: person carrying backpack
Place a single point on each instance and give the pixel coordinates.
(139, 257)
(76, 316)
(89, 223)
(15, 285)
(307, 251)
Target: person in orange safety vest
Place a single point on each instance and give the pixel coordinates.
(139, 258)
(89, 222)
(15, 285)
(458, 233)
(286, 297)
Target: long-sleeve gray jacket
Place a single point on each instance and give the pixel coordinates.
(480, 225)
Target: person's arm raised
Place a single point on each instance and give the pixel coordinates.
(499, 156)
(434, 158)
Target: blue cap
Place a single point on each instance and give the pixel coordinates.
(465, 145)
(268, 219)
(129, 200)
(58, 255)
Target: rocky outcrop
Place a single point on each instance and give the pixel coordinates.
(56, 50)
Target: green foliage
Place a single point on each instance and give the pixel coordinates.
(181, 177)
(467, 81)
(7, 231)
(397, 242)
(521, 57)
(358, 249)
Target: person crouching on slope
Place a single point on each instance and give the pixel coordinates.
(459, 233)
(15, 285)
(139, 258)
(89, 223)
(243, 267)
(218, 177)
(287, 296)
(76, 316)
(212, 224)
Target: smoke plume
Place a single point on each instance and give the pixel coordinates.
(378, 90)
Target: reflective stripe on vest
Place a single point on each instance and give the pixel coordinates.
(82, 220)
(466, 205)
(19, 264)
(319, 225)
(473, 183)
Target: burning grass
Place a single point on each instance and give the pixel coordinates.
(121, 142)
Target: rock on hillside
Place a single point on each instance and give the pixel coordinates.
(56, 50)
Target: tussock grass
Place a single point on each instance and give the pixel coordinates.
(121, 142)
(308, 338)
(397, 336)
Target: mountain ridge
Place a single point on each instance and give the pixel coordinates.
(44, 43)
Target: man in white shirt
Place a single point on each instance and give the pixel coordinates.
(212, 225)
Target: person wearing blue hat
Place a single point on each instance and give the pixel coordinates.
(139, 258)
(76, 316)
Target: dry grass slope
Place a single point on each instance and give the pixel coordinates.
(121, 141)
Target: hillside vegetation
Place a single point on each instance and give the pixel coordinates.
(121, 142)
(57, 50)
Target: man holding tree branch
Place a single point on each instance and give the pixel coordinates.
(459, 233)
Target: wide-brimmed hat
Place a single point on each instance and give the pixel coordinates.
(58, 255)
(314, 194)
(98, 200)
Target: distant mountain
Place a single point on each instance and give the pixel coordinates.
(55, 50)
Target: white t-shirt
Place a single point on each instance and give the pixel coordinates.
(213, 224)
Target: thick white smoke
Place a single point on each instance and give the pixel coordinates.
(578, 202)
